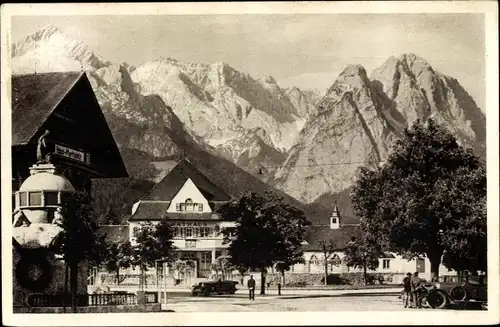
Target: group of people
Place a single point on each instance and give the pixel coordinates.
(412, 285)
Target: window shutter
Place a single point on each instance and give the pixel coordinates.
(200, 207)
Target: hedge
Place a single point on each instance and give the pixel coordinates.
(126, 279)
(311, 279)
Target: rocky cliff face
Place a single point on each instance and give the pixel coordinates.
(221, 104)
(163, 105)
(166, 109)
(358, 120)
(417, 91)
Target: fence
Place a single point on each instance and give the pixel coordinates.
(59, 300)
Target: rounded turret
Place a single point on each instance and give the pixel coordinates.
(41, 194)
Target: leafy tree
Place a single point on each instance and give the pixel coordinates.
(184, 267)
(363, 252)
(79, 241)
(427, 199)
(267, 231)
(118, 256)
(223, 264)
(152, 243)
(327, 247)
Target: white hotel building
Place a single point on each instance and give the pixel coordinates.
(189, 199)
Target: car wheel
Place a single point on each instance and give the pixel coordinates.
(459, 293)
(437, 299)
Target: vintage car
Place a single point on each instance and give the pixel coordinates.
(458, 290)
(210, 287)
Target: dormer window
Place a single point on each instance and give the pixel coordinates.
(189, 206)
(334, 220)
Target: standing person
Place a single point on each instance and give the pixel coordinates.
(251, 288)
(407, 290)
(416, 283)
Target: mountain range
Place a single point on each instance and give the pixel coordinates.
(307, 144)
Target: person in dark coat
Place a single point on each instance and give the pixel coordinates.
(407, 289)
(251, 288)
(416, 283)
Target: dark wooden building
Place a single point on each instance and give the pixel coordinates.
(79, 139)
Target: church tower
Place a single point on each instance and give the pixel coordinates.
(335, 218)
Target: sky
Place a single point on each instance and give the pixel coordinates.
(304, 49)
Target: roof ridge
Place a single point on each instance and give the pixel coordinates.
(56, 104)
(205, 176)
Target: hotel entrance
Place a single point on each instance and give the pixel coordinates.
(202, 260)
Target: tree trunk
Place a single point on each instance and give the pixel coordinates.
(262, 282)
(365, 275)
(435, 262)
(326, 272)
(73, 279)
(118, 276)
(66, 273)
(283, 279)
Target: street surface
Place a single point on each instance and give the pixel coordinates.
(183, 302)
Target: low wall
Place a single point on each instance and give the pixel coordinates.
(150, 307)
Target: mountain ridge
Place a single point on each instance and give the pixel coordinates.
(306, 144)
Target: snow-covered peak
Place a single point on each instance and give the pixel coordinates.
(49, 49)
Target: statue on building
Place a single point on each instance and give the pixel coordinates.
(58, 217)
(42, 149)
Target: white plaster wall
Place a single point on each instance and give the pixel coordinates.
(201, 244)
(189, 191)
(398, 266)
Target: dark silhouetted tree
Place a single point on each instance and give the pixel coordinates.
(427, 199)
(267, 231)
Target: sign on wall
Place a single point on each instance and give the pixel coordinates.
(72, 153)
(190, 224)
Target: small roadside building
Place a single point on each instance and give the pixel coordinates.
(61, 111)
(60, 141)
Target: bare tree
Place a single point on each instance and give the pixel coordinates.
(327, 247)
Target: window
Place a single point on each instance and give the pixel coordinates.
(386, 263)
(23, 199)
(189, 232)
(314, 260)
(334, 220)
(205, 232)
(206, 260)
(35, 198)
(189, 205)
(420, 265)
(51, 198)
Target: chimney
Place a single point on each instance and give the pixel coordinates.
(335, 218)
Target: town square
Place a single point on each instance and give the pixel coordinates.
(151, 185)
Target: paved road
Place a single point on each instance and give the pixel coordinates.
(240, 302)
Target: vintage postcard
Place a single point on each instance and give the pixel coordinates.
(250, 163)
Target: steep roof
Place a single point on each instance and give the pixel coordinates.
(168, 187)
(340, 237)
(34, 97)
